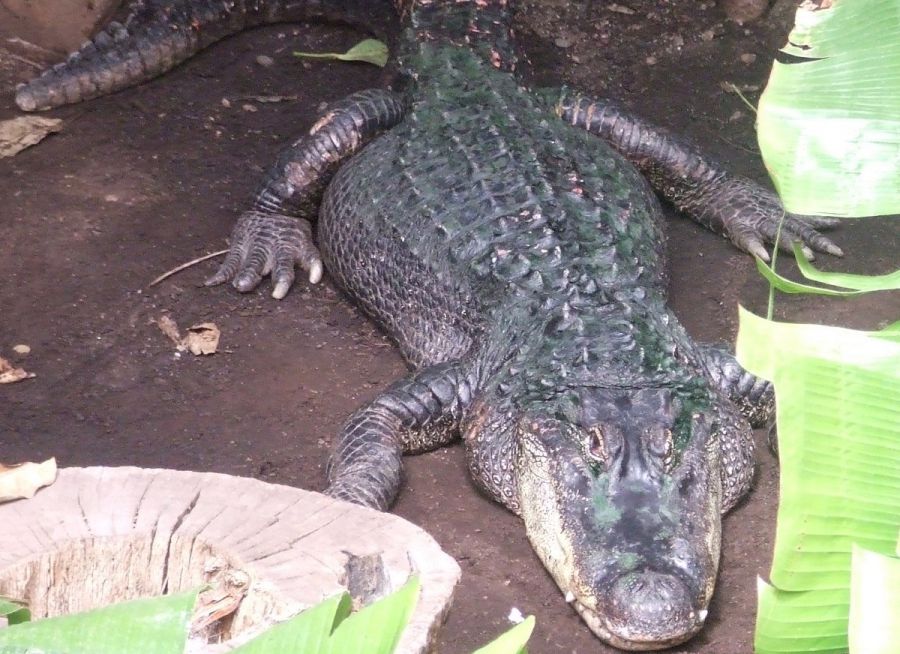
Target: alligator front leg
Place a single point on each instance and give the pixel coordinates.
(276, 233)
(735, 207)
(753, 396)
(416, 414)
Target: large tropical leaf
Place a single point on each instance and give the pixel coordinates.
(829, 119)
(838, 404)
(14, 612)
(512, 641)
(151, 626)
(874, 603)
(329, 628)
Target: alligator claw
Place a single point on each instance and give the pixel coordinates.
(754, 396)
(268, 243)
(750, 216)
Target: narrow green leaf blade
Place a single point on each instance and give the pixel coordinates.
(308, 632)
(371, 51)
(786, 285)
(158, 625)
(874, 603)
(14, 612)
(376, 628)
(512, 641)
(888, 282)
(828, 122)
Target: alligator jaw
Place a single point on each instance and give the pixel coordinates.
(619, 637)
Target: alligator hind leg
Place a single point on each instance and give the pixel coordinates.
(735, 207)
(276, 233)
(416, 414)
(753, 396)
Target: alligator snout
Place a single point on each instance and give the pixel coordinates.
(650, 609)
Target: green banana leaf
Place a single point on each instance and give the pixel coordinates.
(512, 641)
(874, 603)
(157, 625)
(329, 628)
(376, 628)
(838, 405)
(888, 282)
(14, 612)
(856, 284)
(829, 121)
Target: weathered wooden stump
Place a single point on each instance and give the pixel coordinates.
(103, 535)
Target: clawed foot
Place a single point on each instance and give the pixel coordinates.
(754, 396)
(749, 216)
(264, 243)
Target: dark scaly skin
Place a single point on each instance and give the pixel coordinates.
(518, 261)
(276, 232)
(157, 36)
(732, 206)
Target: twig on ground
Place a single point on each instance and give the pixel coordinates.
(183, 266)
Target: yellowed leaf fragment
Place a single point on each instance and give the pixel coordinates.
(19, 133)
(24, 480)
(170, 328)
(10, 374)
(202, 338)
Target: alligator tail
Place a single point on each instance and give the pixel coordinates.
(157, 36)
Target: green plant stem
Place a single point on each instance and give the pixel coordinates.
(771, 307)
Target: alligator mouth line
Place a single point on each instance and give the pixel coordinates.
(603, 629)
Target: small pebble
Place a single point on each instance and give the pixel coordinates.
(651, 60)
(744, 11)
(226, 103)
(21, 348)
(264, 60)
(737, 115)
(111, 198)
(563, 41)
(248, 107)
(748, 57)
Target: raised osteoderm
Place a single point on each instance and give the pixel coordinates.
(507, 240)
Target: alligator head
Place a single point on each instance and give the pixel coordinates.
(622, 503)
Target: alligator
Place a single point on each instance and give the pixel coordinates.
(509, 240)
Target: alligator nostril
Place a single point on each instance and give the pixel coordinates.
(657, 606)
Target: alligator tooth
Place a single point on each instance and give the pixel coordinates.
(702, 614)
(570, 596)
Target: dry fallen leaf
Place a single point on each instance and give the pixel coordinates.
(202, 338)
(19, 133)
(170, 328)
(23, 480)
(10, 374)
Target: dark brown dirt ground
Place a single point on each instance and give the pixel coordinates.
(149, 178)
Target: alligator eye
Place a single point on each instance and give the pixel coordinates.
(596, 445)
